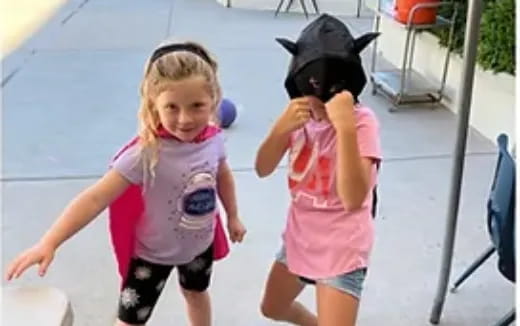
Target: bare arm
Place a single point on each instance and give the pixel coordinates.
(82, 210)
(353, 171)
(271, 152)
(85, 208)
(275, 145)
(226, 190)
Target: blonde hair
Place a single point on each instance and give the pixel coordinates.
(172, 66)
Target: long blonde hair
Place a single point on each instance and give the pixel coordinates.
(172, 66)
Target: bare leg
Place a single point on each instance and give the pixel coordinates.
(199, 307)
(336, 308)
(279, 303)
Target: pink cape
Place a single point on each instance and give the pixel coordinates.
(125, 211)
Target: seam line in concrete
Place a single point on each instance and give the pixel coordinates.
(237, 170)
(10, 76)
(13, 73)
(74, 12)
(434, 157)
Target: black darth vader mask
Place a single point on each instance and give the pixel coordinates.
(326, 60)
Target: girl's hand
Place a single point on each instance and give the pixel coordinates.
(236, 229)
(297, 113)
(340, 110)
(41, 254)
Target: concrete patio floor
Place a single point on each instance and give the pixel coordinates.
(71, 101)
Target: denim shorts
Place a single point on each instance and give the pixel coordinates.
(350, 283)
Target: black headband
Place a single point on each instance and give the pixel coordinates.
(179, 47)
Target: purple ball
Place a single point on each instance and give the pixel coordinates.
(227, 113)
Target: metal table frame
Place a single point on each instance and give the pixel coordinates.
(404, 85)
(302, 3)
(314, 4)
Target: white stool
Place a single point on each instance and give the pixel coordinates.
(28, 306)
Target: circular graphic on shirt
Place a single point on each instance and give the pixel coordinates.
(198, 202)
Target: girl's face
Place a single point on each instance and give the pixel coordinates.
(185, 107)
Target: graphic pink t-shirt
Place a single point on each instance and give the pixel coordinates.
(321, 238)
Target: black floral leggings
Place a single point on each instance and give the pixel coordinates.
(145, 281)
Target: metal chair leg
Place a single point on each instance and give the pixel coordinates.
(302, 3)
(507, 319)
(476, 264)
(358, 13)
(289, 5)
(315, 4)
(280, 4)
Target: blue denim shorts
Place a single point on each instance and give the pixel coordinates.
(350, 283)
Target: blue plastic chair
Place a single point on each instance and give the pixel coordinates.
(501, 222)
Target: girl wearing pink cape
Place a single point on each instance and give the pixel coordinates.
(125, 211)
(162, 191)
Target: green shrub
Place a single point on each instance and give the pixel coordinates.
(460, 25)
(496, 50)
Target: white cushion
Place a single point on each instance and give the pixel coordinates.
(35, 305)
